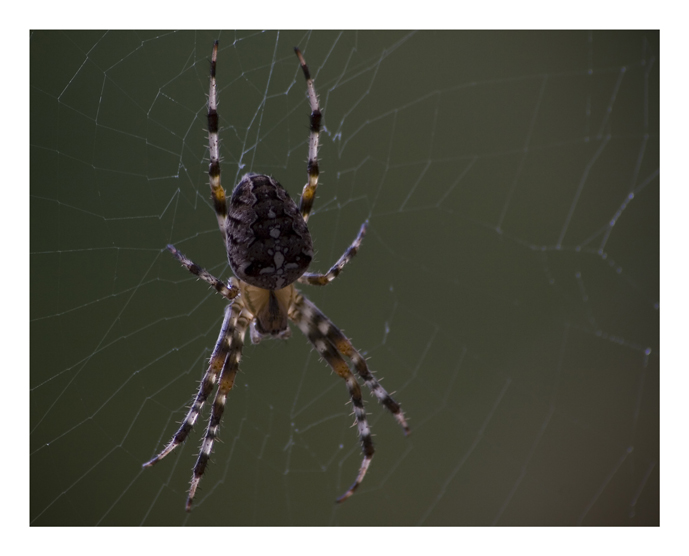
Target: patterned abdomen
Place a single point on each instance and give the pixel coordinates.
(269, 244)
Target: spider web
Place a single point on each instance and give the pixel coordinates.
(507, 290)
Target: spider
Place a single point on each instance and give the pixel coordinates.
(269, 248)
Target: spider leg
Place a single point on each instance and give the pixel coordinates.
(308, 317)
(316, 279)
(228, 291)
(217, 191)
(218, 357)
(345, 347)
(309, 192)
(225, 384)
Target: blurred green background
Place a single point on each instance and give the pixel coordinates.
(507, 290)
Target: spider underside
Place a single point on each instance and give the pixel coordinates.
(269, 248)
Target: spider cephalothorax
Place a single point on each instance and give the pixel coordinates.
(269, 248)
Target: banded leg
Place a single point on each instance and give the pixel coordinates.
(217, 191)
(217, 361)
(309, 193)
(305, 318)
(225, 384)
(335, 336)
(316, 279)
(228, 291)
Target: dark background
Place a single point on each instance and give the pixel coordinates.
(507, 290)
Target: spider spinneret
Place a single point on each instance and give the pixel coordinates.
(269, 247)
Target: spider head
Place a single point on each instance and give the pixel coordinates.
(270, 310)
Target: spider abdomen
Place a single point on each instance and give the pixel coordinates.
(269, 244)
